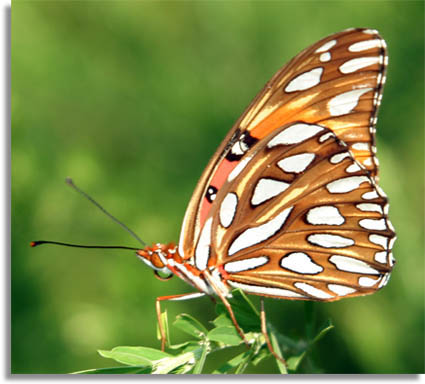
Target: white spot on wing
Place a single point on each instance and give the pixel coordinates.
(365, 45)
(335, 159)
(325, 215)
(312, 291)
(346, 184)
(341, 290)
(367, 281)
(296, 163)
(325, 137)
(370, 195)
(266, 189)
(330, 241)
(369, 207)
(361, 146)
(202, 252)
(381, 257)
(258, 234)
(350, 264)
(228, 209)
(379, 240)
(345, 102)
(305, 80)
(324, 57)
(325, 47)
(245, 264)
(294, 134)
(373, 224)
(265, 290)
(239, 168)
(301, 263)
(353, 65)
(353, 168)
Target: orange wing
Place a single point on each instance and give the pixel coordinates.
(336, 82)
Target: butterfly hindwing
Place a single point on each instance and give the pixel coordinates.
(302, 219)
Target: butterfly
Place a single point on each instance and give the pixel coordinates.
(289, 205)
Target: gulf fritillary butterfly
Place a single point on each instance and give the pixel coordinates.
(289, 207)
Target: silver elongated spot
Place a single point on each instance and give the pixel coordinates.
(260, 233)
(335, 159)
(379, 240)
(367, 281)
(294, 134)
(365, 45)
(340, 290)
(326, 47)
(381, 257)
(300, 262)
(305, 80)
(369, 207)
(373, 224)
(296, 163)
(345, 102)
(326, 240)
(312, 291)
(239, 168)
(354, 65)
(266, 189)
(228, 209)
(245, 264)
(346, 184)
(350, 264)
(279, 292)
(202, 253)
(325, 215)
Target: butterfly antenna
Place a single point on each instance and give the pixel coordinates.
(69, 181)
(40, 242)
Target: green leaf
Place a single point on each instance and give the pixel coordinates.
(201, 361)
(169, 364)
(116, 370)
(245, 312)
(190, 325)
(226, 335)
(294, 361)
(164, 321)
(223, 320)
(134, 355)
(276, 347)
(326, 328)
(231, 364)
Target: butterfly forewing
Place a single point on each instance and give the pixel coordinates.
(336, 82)
(301, 220)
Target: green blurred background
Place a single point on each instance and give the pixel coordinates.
(131, 99)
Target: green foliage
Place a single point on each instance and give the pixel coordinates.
(190, 356)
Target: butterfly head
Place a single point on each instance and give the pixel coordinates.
(158, 257)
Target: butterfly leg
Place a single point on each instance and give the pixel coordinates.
(266, 336)
(183, 296)
(227, 305)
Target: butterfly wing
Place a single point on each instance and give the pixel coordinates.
(301, 220)
(336, 82)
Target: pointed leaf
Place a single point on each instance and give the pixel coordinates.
(134, 355)
(231, 364)
(226, 335)
(171, 363)
(116, 370)
(294, 361)
(327, 327)
(190, 325)
(276, 347)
